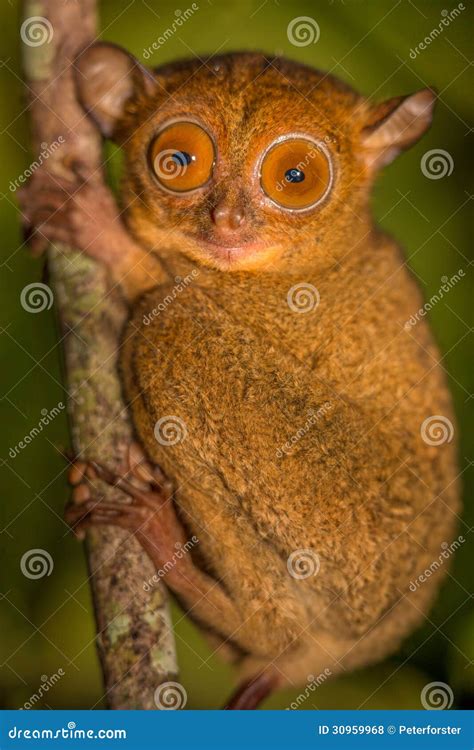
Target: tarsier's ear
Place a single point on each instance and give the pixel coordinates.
(396, 125)
(107, 76)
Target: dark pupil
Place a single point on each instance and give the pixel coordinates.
(294, 175)
(182, 158)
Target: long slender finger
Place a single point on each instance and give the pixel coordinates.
(56, 215)
(131, 520)
(81, 493)
(51, 232)
(123, 484)
(36, 243)
(74, 513)
(142, 469)
(47, 194)
(43, 180)
(138, 464)
(76, 472)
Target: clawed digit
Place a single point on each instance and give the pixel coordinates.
(85, 511)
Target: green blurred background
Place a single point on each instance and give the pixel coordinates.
(47, 624)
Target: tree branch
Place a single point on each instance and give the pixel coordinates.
(134, 631)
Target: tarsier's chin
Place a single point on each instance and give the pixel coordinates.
(237, 162)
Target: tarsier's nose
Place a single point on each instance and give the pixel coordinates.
(228, 218)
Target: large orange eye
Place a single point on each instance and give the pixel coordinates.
(295, 173)
(182, 157)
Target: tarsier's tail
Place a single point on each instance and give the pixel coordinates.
(252, 693)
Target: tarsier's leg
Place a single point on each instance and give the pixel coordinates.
(83, 214)
(150, 515)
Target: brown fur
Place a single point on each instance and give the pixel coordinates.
(244, 372)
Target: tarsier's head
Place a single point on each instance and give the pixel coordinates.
(239, 160)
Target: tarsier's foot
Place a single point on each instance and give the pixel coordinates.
(147, 513)
(80, 212)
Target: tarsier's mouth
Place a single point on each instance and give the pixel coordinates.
(230, 249)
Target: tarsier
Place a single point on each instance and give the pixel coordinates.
(250, 178)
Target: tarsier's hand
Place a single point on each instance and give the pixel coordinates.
(81, 213)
